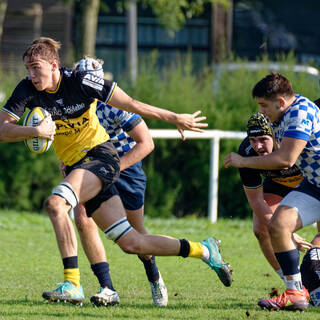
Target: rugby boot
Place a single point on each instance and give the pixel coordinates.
(289, 300)
(66, 292)
(216, 262)
(105, 297)
(159, 292)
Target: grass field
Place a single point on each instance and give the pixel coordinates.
(30, 264)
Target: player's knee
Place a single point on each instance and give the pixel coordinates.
(53, 205)
(119, 232)
(130, 246)
(84, 224)
(275, 229)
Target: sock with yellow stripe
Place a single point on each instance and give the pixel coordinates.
(193, 249)
(71, 270)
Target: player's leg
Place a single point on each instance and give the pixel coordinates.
(111, 218)
(310, 271)
(157, 285)
(95, 252)
(131, 186)
(261, 232)
(79, 186)
(295, 211)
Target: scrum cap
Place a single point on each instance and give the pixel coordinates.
(258, 125)
(90, 65)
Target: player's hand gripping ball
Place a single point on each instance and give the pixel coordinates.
(33, 119)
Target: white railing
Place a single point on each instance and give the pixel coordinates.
(214, 136)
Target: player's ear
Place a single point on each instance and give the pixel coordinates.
(55, 65)
(282, 101)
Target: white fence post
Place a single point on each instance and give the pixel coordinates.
(213, 180)
(214, 136)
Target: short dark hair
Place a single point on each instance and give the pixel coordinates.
(46, 48)
(271, 86)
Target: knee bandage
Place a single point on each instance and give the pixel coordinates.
(118, 229)
(65, 191)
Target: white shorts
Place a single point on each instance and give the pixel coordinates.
(305, 200)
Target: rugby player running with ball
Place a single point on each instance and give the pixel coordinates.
(92, 163)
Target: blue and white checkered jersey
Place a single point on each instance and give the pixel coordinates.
(302, 121)
(117, 122)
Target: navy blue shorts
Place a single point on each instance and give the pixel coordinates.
(131, 186)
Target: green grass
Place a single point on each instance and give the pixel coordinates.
(30, 264)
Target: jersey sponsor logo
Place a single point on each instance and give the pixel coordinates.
(67, 128)
(74, 108)
(305, 122)
(60, 102)
(315, 254)
(56, 111)
(93, 81)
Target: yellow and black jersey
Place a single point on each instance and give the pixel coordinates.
(253, 178)
(72, 107)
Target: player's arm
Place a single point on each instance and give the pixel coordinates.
(144, 145)
(183, 122)
(285, 157)
(11, 132)
(258, 204)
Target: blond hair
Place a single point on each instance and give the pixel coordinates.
(46, 48)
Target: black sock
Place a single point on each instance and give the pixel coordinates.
(101, 271)
(70, 262)
(151, 268)
(184, 248)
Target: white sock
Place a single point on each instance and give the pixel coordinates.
(206, 254)
(294, 283)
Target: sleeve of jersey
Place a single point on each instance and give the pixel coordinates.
(18, 101)
(250, 178)
(299, 122)
(96, 87)
(124, 119)
(129, 120)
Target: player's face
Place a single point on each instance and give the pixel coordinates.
(40, 72)
(262, 145)
(270, 108)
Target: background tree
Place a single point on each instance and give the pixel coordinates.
(172, 16)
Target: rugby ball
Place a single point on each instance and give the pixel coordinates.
(33, 119)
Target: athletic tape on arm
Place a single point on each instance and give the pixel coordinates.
(65, 191)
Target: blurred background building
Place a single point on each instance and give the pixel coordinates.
(248, 28)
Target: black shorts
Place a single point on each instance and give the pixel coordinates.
(310, 273)
(103, 161)
(269, 186)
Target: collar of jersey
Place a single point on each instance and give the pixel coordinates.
(57, 86)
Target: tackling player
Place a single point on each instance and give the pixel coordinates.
(92, 163)
(265, 195)
(296, 124)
